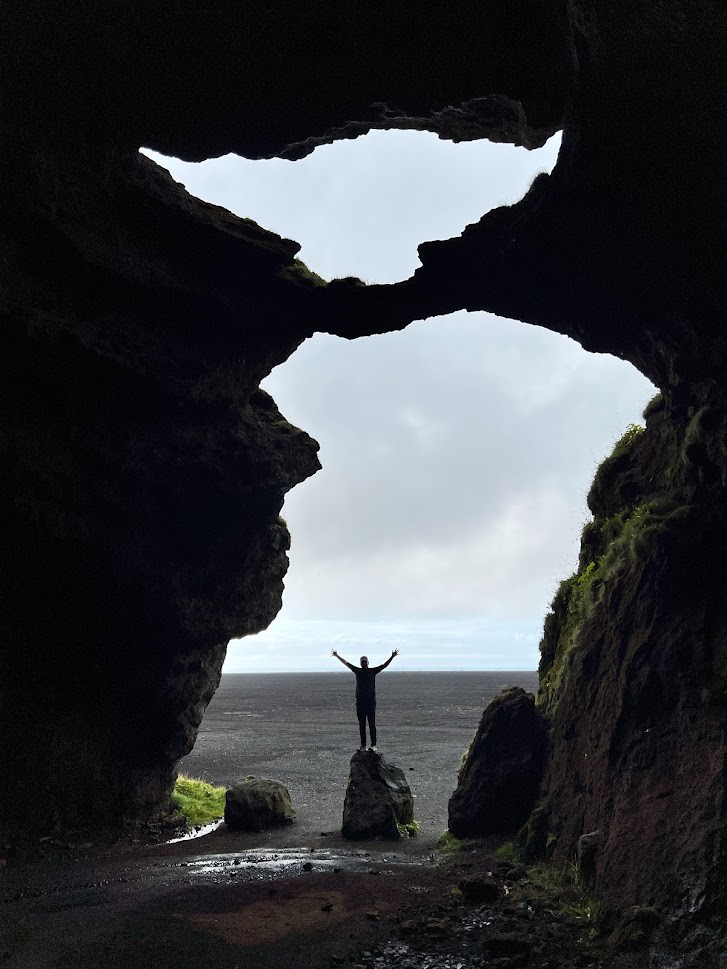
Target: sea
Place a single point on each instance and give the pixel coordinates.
(301, 729)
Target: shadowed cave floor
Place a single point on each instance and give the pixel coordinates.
(222, 902)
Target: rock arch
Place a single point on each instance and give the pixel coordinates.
(143, 470)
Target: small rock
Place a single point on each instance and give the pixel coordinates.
(307, 866)
(257, 803)
(373, 917)
(506, 945)
(479, 890)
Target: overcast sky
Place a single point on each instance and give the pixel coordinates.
(456, 455)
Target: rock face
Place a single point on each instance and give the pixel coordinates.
(377, 797)
(143, 475)
(634, 671)
(499, 779)
(258, 803)
(142, 471)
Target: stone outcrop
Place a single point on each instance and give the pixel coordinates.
(142, 471)
(634, 671)
(378, 798)
(500, 776)
(258, 803)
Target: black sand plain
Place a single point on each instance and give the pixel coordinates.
(301, 729)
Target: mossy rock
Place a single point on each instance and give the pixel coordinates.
(258, 803)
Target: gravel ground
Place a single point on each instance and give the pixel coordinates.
(375, 907)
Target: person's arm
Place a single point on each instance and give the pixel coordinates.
(378, 669)
(345, 662)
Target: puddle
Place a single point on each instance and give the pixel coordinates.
(197, 832)
(265, 862)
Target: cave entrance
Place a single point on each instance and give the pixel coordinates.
(458, 452)
(456, 458)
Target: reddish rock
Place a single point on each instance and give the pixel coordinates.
(635, 689)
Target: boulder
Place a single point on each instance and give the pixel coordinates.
(377, 798)
(500, 777)
(258, 803)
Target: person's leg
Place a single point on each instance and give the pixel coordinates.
(361, 714)
(372, 725)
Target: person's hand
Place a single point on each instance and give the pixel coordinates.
(334, 653)
(395, 652)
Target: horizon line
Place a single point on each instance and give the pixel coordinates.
(334, 672)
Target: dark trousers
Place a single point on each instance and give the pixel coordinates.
(365, 713)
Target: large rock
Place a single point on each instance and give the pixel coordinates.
(500, 777)
(377, 797)
(258, 803)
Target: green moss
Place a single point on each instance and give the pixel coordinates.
(297, 272)
(448, 842)
(408, 830)
(197, 800)
(627, 439)
(606, 496)
(463, 759)
(506, 851)
(556, 887)
(573, 605)
(656, 404)
(609, 547)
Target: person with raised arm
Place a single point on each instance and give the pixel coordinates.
(366, 694)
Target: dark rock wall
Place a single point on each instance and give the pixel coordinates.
(142, 474)
(633, 673)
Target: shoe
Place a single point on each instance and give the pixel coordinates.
(363, 747)
(372, 747)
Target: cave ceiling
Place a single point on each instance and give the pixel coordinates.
(621, 247)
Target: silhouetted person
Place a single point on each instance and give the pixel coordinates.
(366, 693)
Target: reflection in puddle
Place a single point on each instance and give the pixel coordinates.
(198, 832)
(272, 863)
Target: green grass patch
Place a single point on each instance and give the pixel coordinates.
(448, 842)
(559, 887)
(626, 539)
(197, 800)
(506, 851)
(408, 830)
(463, 759)
(297, 272)
(627, 439)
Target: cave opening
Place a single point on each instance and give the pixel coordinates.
(459, 450)
(144, 472)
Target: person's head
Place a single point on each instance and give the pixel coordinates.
(364, 661)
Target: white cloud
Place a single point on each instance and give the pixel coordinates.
(456, 454)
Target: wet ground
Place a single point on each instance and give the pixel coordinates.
(223, 903)
(301, 897)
